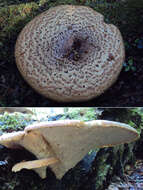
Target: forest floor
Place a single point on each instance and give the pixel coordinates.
(133, 178)
(128, 17)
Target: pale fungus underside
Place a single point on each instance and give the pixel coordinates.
(62, 144)
(69, 53)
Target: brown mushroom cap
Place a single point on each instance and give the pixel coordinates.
(69, 53)
(69, 141)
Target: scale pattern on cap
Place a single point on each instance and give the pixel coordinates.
(43, 58)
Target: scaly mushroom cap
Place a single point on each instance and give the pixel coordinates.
(68, 53)
(67, 142)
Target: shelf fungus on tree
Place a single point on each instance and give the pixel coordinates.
(62, 144)
(69, 53)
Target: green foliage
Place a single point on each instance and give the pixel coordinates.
(139, 43)
(132, 124)
(14, 122)
(83, 114)
(138, 111)
(128, 66)
(102, 169)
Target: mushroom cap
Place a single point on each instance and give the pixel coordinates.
(10, 139)
(70, 140)
(69, 53)
(34, 164)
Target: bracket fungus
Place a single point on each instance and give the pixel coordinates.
(62, 144)
(69, 53)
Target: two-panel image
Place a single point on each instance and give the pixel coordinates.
(71, 95)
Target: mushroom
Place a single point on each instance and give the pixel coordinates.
(62, 144)
(69, 53)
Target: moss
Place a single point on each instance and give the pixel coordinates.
(14, 14)
(13, 19)
(83, 114)
(14, 122)
(5, 3)
(101, 170)
(133, 117)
